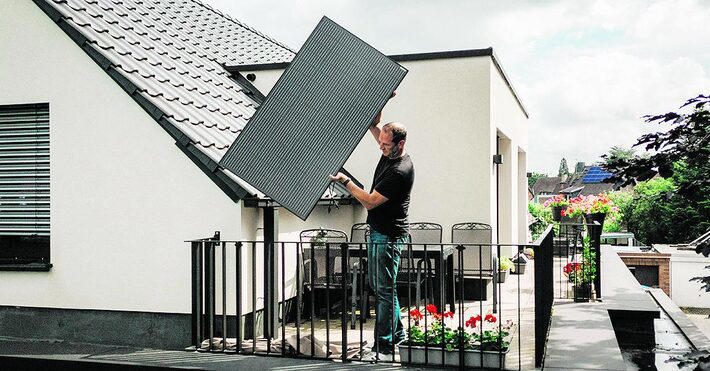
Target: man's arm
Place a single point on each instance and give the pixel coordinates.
(368, 200)
(374, 128)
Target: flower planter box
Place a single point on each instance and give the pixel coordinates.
(581, 294)
(557, 213)
(433, 356)
(503, 275)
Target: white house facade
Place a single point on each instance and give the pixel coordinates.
(133, 176)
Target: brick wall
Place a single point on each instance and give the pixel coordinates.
(662, 261)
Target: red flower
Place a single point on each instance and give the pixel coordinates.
(472, 321)
(449, 314)
(490, 318)
(415, 314)
(563, 212)
(572, 267)
(431, 308)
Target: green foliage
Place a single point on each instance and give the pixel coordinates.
(659, 215)
(616, 221)
(534, 177)
(506, 264)
(585, 272)
(617, 153)
(564, 170)
(543, 218)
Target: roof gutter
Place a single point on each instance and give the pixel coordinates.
(406, 58)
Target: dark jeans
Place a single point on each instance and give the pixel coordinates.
(383, 255)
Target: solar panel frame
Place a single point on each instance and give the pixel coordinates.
(320, 108)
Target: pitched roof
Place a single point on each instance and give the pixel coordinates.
(168, 55)
(546, 184)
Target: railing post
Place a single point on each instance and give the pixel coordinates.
(595, 232)
(196, 284)
(344, 265)
(209, 292)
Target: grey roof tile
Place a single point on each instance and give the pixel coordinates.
(173, 51)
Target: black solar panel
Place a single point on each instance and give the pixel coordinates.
(313, 118)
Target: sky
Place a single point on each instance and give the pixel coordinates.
(586, 71)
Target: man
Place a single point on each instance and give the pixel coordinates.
(387, 204)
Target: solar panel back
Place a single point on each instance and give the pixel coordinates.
(313, 118)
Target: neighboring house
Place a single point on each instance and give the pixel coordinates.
(686, 264)
(589, 181)
(127, 108)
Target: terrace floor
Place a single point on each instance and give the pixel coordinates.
(516, 292)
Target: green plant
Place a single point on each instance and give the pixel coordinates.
(506, 264)
(616, 220)
(585, 272)
(486, 333)
(543, 218)
(555, 201)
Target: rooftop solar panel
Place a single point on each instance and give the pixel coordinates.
(595, 174)
(313, 118)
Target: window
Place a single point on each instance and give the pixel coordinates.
(24, 187)
(647, 275)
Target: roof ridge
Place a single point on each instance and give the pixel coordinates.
(242, 24)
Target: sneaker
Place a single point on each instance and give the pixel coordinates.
(373, 356)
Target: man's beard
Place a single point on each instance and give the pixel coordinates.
(394, 153)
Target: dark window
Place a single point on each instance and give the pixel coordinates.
(24, 187)
(647, 275)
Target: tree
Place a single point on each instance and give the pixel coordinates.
(619, 153)
(533, 177)
(687, 141)
(564, 170)
(683, 154)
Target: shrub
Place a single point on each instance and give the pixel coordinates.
(543, 218)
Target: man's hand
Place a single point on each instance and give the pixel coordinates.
(340, 177)
(379, 115)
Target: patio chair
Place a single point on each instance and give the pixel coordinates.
(478, 263)
(319, 274)
(421, 233)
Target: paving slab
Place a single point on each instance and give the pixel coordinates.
(694, 335)
(620, 289)
(582, 338)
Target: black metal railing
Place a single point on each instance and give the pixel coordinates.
(465, 299)
(578, 260)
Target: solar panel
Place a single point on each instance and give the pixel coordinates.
(595, 174)
(313, 118)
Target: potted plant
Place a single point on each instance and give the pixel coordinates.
(481, 339)
(593, 208)
(505, 265)
(558, 204)
(582, 275)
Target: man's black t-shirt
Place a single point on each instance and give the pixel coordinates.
(393, 179)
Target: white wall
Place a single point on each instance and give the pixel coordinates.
(123, 196)
(509, 121)
(445, 106)
(684, 292)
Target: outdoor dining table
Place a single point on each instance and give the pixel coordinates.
(441, 255)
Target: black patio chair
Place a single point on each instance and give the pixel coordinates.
(421, 233)
(477, 270)
(321, 259)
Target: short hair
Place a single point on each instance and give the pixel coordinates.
(399, 131)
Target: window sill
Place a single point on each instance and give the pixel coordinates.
(30, 267)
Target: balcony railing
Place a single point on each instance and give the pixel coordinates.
(313, 300)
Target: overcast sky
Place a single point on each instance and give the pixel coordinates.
(587, 71)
